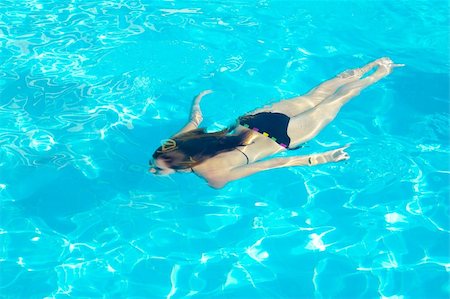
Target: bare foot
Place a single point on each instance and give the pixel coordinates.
(387, 64)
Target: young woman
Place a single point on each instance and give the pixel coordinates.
(231, 154)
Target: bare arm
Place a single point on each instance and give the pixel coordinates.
(196, 116)
(311, 160)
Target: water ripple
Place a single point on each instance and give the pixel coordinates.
(86, 89)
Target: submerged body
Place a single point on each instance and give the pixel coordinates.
(266, 131)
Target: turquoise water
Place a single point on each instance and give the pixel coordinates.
(89, 88)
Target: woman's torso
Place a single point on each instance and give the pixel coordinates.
(259, 148)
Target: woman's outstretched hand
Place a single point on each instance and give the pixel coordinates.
(196, 113)
(205, 92)
(200, 96)
(336, 155)
(196, 116)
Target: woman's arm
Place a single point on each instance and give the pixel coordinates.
(196, 116)
(311, 160)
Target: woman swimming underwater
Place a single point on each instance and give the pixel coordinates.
(233, 153)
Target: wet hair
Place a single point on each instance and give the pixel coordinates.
(189, 149)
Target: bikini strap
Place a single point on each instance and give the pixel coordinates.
(248, 160)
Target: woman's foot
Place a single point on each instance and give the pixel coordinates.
(387, 64)
(384, 62)
(359, 72)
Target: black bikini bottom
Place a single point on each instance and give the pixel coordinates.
(273, 125)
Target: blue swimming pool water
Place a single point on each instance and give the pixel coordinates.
(89, 88)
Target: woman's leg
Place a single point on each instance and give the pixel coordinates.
(297, 105)
(307, 125)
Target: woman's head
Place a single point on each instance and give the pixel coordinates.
(189, 149)
(160, 167)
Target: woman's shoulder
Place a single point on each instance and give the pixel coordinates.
(215, 170)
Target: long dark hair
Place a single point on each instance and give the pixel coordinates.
(189, 149)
